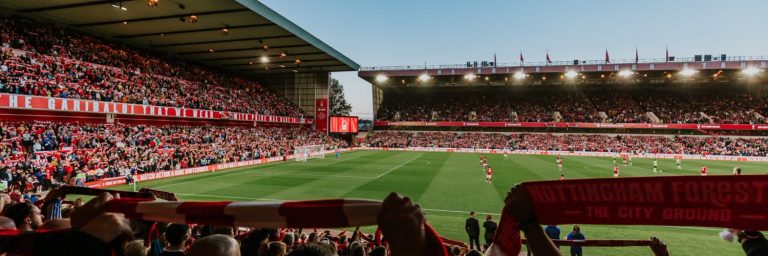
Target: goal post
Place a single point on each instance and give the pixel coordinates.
(306, 152)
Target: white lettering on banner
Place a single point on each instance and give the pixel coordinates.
(95, 106)
(125, 108)
(64, 104)
(27, 102)
(13, 101)
(76, 105)
(194, 113)
(51, 103)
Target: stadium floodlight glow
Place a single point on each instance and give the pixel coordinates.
(571, 74)
(424, 77)
(381, 78)
(470, 77)
(751, 71)
(519, 75)
(264, 59)
(688, 72)
(626, 73)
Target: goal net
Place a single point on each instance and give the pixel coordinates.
(303, 153)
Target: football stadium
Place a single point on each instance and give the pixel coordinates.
(187, 127)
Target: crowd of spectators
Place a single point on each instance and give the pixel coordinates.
(44, 153)
(598, 104)
(47, 60)
(654, 144)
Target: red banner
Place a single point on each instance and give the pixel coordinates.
(761, 127)
(710, 201)
(13, 101)
(321, 115)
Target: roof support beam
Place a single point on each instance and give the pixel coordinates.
(247, 49)
(224, 41)
(277, 62)
(252, 57)
(196, 30)
(69, 6)
(176, 16)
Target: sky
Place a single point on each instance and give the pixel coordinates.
(411, 32)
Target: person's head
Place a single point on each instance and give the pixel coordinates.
(229, 231)
(356, 249)
(25, 216)
(473, 214)
(220, 245)
(489, 217)
(313, 237)
(576, 229)
(277, 249)
(378, 251)
(311, 249)
(135, 248)
(7, 223)
(289, 239)
(176, 234)
(474, 253)
(456, 250)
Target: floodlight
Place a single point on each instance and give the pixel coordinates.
(381, 78)
(519, 75)
(626, 73)
(571, 74)
(751, 71)
(688, 72)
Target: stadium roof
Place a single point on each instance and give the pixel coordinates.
(720, 69)
(168, 27)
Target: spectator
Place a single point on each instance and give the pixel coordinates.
(176, 235)
(576, 235)
(472, 227)
(553, 232)
(135, 248)
(312, 249)
(220, 245)
(277, 249)
(753, 242)
(490, 229)
(26, 216)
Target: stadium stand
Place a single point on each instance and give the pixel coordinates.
(46, 60)
(42, 153)
(640, 144)
(671, 104)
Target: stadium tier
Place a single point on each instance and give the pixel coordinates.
(623, 95)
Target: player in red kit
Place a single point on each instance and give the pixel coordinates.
(615, 171)
(624, 159)
(489, 175)
(704, 170)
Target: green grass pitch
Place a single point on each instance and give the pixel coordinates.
(448, 186)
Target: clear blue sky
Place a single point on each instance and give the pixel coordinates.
(410, 32)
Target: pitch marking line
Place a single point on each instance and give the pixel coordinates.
(424, 209)
(396, 167)
(312, 175)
